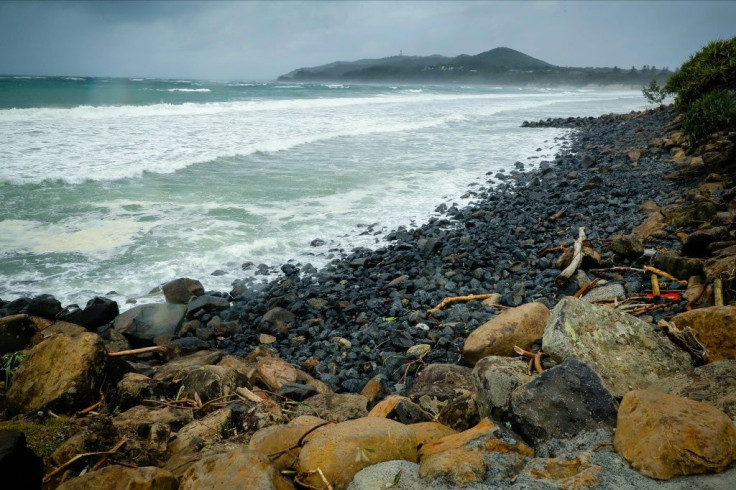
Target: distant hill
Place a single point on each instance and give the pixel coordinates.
(499, 65)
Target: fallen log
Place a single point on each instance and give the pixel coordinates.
(577, 259)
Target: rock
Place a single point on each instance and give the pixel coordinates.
(116, 477)
(133, 388)
(239, 468)
(562, 402)
(145, 324)
(44, 306)
(206, 430)
(19, 466)
(205, 304)
(284, 440)
(98, 312)
(573, 474)
(438, 384)
(402, 409)
(664, 436)
(373, 388)
(341, 450)
(273, 374)
(396, 475)
(611, 290)
(627, 246)
(495, 378)
(652, 226)
(427, 432)
(677, 265)
(461, 413)
(455, 466)
(518, 326)
(679, 216)
(697, 242)
(722, 265)
(276, 321)
(176, 369)
(624, 351)
(715, 329)
(62, 374)
(181, 291)
(714, 384)
(337, 407)
(485, 435)
(296, 391)
(16, 332)
(210, 382)
(140, 418)
(264, 338)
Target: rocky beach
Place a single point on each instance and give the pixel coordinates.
(550, 334)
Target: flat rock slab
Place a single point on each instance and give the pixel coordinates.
(626, 352)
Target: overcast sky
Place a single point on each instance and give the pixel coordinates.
(261, 40)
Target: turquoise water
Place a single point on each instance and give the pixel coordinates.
(118, 185)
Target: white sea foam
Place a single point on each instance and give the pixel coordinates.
(185, 90)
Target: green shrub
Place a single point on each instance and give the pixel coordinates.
(654, 93)
(711, 112)
(711, 68)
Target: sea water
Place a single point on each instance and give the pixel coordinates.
(114, 186)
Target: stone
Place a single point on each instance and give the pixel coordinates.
(143, 325)
(337, 407)
(611, 290)
(652, 226)
(627, 246)
(283, 440)
(373, 388)
(396, 475)
(697, 242)
(205, 304)
(239, 468)
(181, 291)
(517, 326)
(426, 432)
(341, 450)
(116, 477)
(574, 474)
(562, 402)
(16, 333)
(63, 374)
(715, 329)
(98, 312)
(273, 374)
(461, 413)
(402, 409)
(713, 383)
(176, 369)
(664, 436)
(495, 378)
(140, 418)
(624, 351)
(133, 388)
(19, 465)
(456, 466)
(44, 306)
(679, 266)
(722, 265)
(264, 338)
(438, 384)
(683, 216)
(211, 382)
(276, 321)
(206, 430)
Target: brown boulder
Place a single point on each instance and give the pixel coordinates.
(427, 432)
(664, 436)
(518, 326)
(239, 468)
(439, 384)
(571, 474)
(63, 373)
(341, 450)
(122, 478)
(281, 442)
(456, 466)
(140, 418)
(273, 374)
(653, 225)
(182, 290)
(206, 430)
(714, 327)
(337, 407)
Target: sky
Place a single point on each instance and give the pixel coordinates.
(250, 40)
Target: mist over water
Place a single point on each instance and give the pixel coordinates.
(123, 184)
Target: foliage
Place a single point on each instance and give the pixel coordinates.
(8, 363)
(711, 68)
(654, 93)
(711, 112)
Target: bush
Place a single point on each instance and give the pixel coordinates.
(711, 112)
(712, 68)
(654, 93)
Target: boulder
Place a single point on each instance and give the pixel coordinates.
(679, 266)
(341, 450)
(624, 351)
(722, 265)
(206, 304)
(181, 291)
(396, 475)
(714, 384)
(652, 226)
(337, 407)
(696, 243)
(98, 312)
(627, 246)
(715, 329)
(439, 384)
(664, 436)
(210, 382)
(573, 474)
(206, 430)
(45, 306)
(283, 440)
(427, 432)
(133, 388)
(679, 216)
(16, 333)
(19, 465)
(121, 478)
(145, 325)
(518, 326)
(461, 413)
(495, 378)
(62, 374)
(273, 374)
(457, 467)
(239, 468)
(140, 418)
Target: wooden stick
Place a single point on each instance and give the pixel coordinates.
(586, 288)
(718, 292)
(549, 250)
(72, 461)
(142, 350)
(655, 286)
(577, 258)
(618, 268)
(93, 406)
(455, 299)
(104, 459)
(664, 274)
(534, 357)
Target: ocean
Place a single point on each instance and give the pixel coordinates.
(114, 186)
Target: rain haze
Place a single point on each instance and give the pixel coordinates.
(262, 40)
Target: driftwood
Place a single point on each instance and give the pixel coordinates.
(535, 358)
(93, 406)
(685, 338)
(106, 457)
(549, 250)
(718, 292)
(133, 352)
(655, 286)
(664, 274)
(455, 299)
(577, 259)
(587, 287)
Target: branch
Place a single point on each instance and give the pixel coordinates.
(577, 259)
